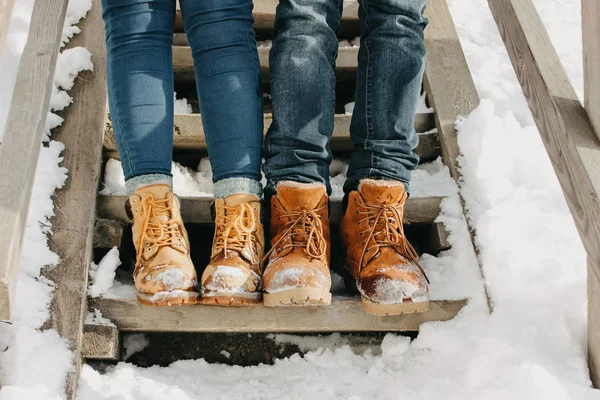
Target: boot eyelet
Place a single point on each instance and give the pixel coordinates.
(147, 244)
(357, 212)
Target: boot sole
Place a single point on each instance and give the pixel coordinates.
(230, 300)
(297, 297)
(168, 299)
(394, 309)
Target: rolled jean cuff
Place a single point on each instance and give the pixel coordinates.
(229, 186)
(133, 184)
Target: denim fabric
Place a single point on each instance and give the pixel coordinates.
(390, 69)
(139, 36)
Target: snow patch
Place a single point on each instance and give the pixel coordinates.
(103, 274)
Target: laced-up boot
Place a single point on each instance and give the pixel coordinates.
(385, 265)
(298, 262)
(164, 274)
(233, 276)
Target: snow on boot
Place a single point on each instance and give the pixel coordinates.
(164, 274)
(298, 262)
(378, 254)
(233, 276)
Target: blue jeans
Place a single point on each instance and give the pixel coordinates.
(391, 62)
(139, 38)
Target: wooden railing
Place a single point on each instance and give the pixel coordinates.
(567, 130)
(22, 139)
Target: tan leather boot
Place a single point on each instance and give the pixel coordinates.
(164, 274)
(233, 276)
(380, 257)
(298, 262)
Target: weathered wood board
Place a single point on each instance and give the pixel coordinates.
(20, 147)
(343, 315)
(73, 226)
(196, 210)
(188, 135)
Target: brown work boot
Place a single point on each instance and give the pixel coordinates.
(233, 276)
(164, 274)
(298, 263)
(378, 254)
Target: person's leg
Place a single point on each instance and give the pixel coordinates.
(390, 69)
(139, 35)
(230, 94)
(303, 92)
(391, 62)
(229, 90)
(297, 152)
(139, 40)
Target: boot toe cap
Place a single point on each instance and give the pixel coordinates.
(165, 278)
(393, 285)
(225, 278)
(296, 277)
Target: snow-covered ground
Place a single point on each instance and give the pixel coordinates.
(532, 346)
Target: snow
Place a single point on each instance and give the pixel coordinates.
(95, 318)
(533, 345)
(103, 274)
(134, 343)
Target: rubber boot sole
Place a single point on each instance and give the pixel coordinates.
(230, 299)
(394, 309)
(297, 297)
(168, 299)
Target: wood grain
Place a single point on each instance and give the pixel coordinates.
(264, 16)
(6, 7)
(590, 22)
(196, 210)
(20, 147)
(188, 135)
(566, 131)
(343, 315)
(448, 82)
(73, 226)
(100, 342)
(183, 63)
(450, 91)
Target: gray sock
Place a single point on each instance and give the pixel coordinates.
(133, 184)
(229, 186)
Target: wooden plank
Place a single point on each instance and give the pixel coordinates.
(448, 82)
(264, 16)
(343, 315)
(188, 135)
(567, 133)
(107, 234)
(6, 7)
(590, 22)
(196, 210)
(450, 91)
(73, 227)
(20, 147)
(100, 342)
(590, 10)
(183, 63)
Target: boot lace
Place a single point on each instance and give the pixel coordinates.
(156, 232)
(384, 226)
(236, 232)
(303, 229)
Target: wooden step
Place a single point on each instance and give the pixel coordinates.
(345, 314)
(197, 210)
(264, 17)
(188, 135)
(183, 63)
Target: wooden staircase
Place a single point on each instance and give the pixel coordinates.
(87, 225)
(450, 91)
